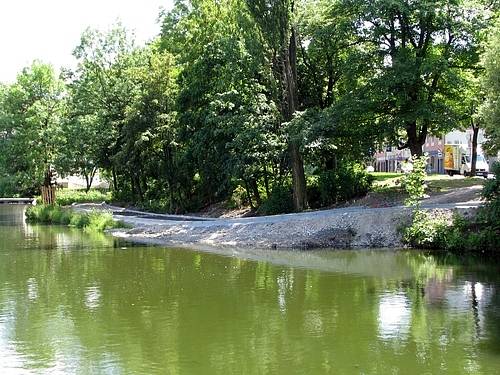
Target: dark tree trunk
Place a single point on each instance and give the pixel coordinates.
(299, 180)
(142, 178)
(416, 139)
(331, 81)
(255, 190)
(137, 181)
(416, 149)
(115, 180)
(249, 197)
(167, 154)
(132, 186)
(47, 181)
(89, 179)
(266, 181)
(475, 133)
(290, 100)
(285, 70)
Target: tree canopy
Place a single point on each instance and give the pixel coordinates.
(253, 100)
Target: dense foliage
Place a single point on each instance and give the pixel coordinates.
(283, 102)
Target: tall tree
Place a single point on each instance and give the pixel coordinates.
(227, 116)
(100, 93)
(276, 21)
(32, 110)
(420, 48)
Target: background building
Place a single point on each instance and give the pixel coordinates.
(390, 158)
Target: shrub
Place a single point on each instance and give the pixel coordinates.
(160, 205)
(491, 192)
(8, 187)
(339, 185)
(79, 220)
(238, 198)
(52, 214)
(279, 201)
(99, 221)
(66, 197)
(38, 213)
(460, 235)
(413, 181)
(427, 231)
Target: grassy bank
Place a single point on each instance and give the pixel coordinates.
(90, 221)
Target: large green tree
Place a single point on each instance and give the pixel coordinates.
(122, 103)
(32, 108)
(420, 48)
(99, 95)
(227, 114)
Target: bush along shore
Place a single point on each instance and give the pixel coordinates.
(66, 197)
(97, 221)
(429, 230)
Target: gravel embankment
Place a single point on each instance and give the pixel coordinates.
(338, 228)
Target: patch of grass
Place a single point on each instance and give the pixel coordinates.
(89, 221)
(389, 185)
(444, 183)
(66, 197)
(392, 186)
(384, 176)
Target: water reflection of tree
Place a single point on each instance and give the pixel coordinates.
(137, 310)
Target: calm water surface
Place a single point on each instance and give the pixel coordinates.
(77, 303)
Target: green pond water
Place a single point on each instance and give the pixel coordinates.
(78, 303)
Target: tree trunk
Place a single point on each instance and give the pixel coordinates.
(171, 197)
(290, 100)
(415, 140)
(132, 186)
(87, 182)
(89, 179)
(475, 133)
(299, 180)
(115, 179)
(255, 190)
(266, 181)
(47, 181)
(416, 149)
(249, 197)
(137, 181)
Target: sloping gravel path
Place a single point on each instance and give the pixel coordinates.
(352, 227)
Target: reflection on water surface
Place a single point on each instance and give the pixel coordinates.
(72, 302)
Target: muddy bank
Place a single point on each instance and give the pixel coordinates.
(339, 228)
